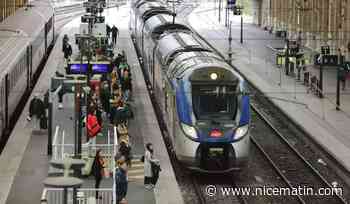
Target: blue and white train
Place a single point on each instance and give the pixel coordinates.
(205, 103)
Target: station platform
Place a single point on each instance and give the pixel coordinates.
(26, 151)
(318, 117)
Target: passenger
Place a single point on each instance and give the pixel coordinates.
(115, 33)
(121, 182)
(67, 51)
(97, 171)
(118, 60)
(36, 109)
(105, 96)
(342, 77)
(116, 112)
(148, 159)
(125, 151)
(155, 172)
(93, 126)
(108, 30)
(126, 85)
(64, 41)
(121, 67)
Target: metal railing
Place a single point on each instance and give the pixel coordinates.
(84, 196)
(61, 150)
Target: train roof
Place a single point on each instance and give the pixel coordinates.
(158, 24)
(19, 30)
(173, 43)
(138, 3)
(149, 9)
(191, 61)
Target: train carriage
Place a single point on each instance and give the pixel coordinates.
(25, 38)
(205, 103)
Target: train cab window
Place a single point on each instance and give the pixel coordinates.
(214, 101)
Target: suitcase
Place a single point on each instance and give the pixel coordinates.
(43, 123)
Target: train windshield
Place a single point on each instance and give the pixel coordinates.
(214, 101)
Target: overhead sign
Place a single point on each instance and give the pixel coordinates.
(231, 2)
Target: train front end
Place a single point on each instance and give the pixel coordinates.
(212, 105)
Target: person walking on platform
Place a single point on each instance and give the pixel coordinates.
(97, 171)
(108, 30)
(121, 181)
(148, 159)
(65, 40)
(67, 51)
(36, 109)
(115, 33)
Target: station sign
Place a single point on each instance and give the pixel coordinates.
(96, 68)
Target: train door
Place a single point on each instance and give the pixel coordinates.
(7, 86)
(28, 54)
(46, 32)
(30, 64)
(153, 64)
(2, 106)
(169, 107)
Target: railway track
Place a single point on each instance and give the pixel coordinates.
(208, 193)
(296, 171)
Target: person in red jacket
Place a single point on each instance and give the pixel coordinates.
(93, 126)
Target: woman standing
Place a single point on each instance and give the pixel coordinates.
(148, 166)
(97, 171)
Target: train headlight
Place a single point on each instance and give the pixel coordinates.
(189, 131)
(241, 131)
(214, 76)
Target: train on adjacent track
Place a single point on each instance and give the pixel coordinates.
(204, 102)
(25, 39)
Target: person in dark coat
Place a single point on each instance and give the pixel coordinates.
(118, 60)
(155, 172)
(65, 40)
(105, 95)
(36, 108)
(125, 151)
(121, 182)
(115, 33)
(97, 170)
(67, 51)
(108, 30)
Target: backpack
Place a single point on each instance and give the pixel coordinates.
(142, 159)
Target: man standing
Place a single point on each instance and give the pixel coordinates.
(115, 33)
(67, 50)
(108, 30)
(36, 108)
